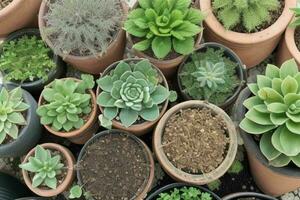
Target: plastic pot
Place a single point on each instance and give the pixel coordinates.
(237, 196)
(240, 71)
(37, 86)
(34, 198)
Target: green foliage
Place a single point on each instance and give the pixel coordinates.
(12, 108)
(185, 193)
(164, 25)
(215, 185)
(296, 22)
(66, 102)
(250, 13)
(274, 113)
(131, 91)
(26, 59)
(44, 166)
(82, 27)
(236, 167)
(209, 76)
(75, 192)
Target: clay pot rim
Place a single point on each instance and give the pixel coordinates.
(181, 175)
(247, 38)
(147, 152)
(117, 36)
(146, 123)
(291, 43)
(68, 179)
(10, 8)
(87, 124)
(242, 74)
(237, 195)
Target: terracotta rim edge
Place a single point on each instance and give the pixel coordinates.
(291, 43)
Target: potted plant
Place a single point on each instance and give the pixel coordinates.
(26, 61)
(195, 142)
(247, 195)
(161, 32)
(132, 95)
(252, 29)
(68, 108)
(213, 73)
(17, 14)
(269, 110)
(115, 165)
(90, 40)
(19, 126)
(48, 169)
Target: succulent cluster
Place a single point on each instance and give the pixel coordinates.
(66, 101)
(44, 166)
(164, 25)
(274, 113)
(185, 193)
(12, 108)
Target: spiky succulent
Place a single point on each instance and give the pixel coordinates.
(131, 91)
(45, 166)
(274, 113)
(12, 108)
(66, 101)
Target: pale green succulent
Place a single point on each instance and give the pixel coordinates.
(45, 168)
(12, 108)
(274, 113)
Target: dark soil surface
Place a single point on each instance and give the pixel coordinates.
(4, 3)
(297, 37)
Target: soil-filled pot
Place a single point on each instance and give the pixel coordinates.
(143, 127)
(240, 72)
(66, 181)
(33, 198)
(247, 195)
(271, 180)
(195, 130)
(252, 48)
(90, 127)
(29, 135)
(91, 64)
(171, 187)
(36, 86)
(117, 162)
(18, 14)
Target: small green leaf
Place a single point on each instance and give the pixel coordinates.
(106, 123)
(128, 117)
(288, 68)
(254, 128)
(289, 85)
(161, 46)
(160, 95)
(75, 192)
(143, 45)
(267, 147)
(150, 114)
(280, 161)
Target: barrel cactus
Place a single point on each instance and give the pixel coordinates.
(274, 113)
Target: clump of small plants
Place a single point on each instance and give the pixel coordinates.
(210, 76)
(185, 193)
(66, 103)
(77, 191)
(26, 59)
(164, 26)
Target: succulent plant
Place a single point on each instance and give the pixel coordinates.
(185, 193)
(131, 91)
(12, 108)
(66, 101)
(274, 113)
(44, 166)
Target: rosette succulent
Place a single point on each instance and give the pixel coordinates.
(274, 113)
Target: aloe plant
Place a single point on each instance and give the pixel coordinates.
(274, 113)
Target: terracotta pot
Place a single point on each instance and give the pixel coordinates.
(91, 64)
(271, 180)
(145, 127)
(67, 155)
(79, 136)
(148, 186)
(179, 175)
(252, 48)
(18, 14)
(239, 195)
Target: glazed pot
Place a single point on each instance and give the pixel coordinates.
(91, 64)
(179, 175)
(29, 135)
(273, 181)
(237, 196)
(67, 182)
(147, 187)
(252, 48)
(79, 136)
(18, 14)
(144, 127)
(240, 71)
(35, 87)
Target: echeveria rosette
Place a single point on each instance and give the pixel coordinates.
(274, 113)
(131, 91)
(164, 25)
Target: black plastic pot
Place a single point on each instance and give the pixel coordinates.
(167, 188)
(37, 86)
(240, 71)
(238, 195)
(29, 135)
(34, 198)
